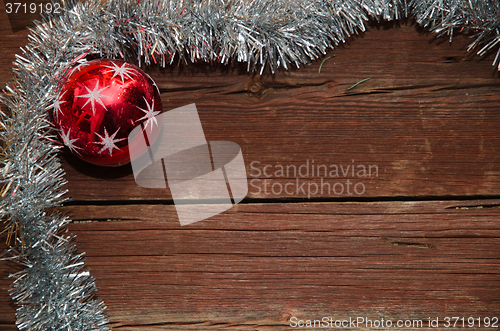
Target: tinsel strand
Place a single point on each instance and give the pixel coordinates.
(54, 291)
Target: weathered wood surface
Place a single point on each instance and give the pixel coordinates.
(259, 264)
(422, 241)
(427, 119)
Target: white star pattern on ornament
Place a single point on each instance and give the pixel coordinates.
(122, 71)
(57, 105)
(108, 142)
(69, 142)
(156, 86)
(150, 115)
(77, 68)
(94, 96)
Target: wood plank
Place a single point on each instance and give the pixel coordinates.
(427, 120)
(258, 265)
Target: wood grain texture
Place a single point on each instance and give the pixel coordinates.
(421, 242)
(256, 266)
(427, 120)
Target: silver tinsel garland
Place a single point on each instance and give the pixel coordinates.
(54, 292)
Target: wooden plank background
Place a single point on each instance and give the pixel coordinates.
(422, 241)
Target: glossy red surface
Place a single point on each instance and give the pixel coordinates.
(100, 103)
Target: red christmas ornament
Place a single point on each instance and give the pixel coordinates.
(101, 102)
